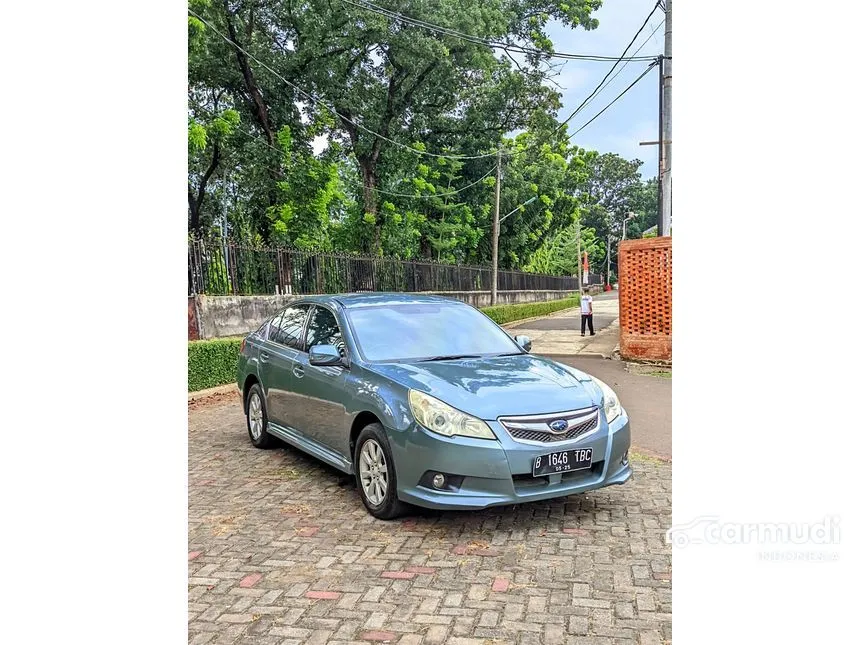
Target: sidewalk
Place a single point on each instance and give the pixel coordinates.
(559, 335)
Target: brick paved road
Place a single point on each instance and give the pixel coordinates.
(282, 552)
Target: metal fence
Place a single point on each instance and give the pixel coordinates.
(216, 268)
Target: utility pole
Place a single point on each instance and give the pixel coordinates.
(578, 258)
(664, 217)
(495, 278)
(608, 281)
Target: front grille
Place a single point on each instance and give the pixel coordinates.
(546, 437)
(537, 429)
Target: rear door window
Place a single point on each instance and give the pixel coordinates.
(264, 332)
(288, 329)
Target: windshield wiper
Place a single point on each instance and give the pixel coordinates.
(448, 357)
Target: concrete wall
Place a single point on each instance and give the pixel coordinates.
(220, 316)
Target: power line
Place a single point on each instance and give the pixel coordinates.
(322, 103)
(621, 69)
(416, 22)
(638, 78)
(597, 89)
(349, 180)
(569, 137)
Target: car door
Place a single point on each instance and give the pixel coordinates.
(323, 415)
(278, 362)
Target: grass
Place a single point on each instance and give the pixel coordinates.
(645, 369)
(658, 374)
(213, 362)
(638, 456)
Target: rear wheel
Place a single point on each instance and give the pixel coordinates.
(375, 474)
(258, 419)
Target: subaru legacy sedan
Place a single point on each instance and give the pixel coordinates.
(427, 401)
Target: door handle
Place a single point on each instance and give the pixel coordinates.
(264, 357)
(299, 371)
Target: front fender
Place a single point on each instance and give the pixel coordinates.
(387, 400)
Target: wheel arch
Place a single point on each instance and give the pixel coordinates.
(250, 380)
(359, 423)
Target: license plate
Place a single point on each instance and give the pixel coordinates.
(562, 462)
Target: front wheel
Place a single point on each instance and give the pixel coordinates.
(375, 474)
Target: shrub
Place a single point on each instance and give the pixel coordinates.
(212, 362)
(502, 314)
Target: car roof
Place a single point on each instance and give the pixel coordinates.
(377, 298)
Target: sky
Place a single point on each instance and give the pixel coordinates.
(633, 118)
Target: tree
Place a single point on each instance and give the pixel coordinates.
(557, 255)
(644, 204)
(394, 83)
(612, 186)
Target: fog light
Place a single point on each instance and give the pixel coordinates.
(439, 480)
(624, 458)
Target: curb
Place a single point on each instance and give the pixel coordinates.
(212, 391)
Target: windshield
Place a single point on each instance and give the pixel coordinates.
(427, 331)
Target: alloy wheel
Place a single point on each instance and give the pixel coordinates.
(255, 415)
(373, 472)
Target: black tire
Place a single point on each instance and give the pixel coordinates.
(264, 440)
(389, 507)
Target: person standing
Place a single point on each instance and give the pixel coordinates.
(587, 312)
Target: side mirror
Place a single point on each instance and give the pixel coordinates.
(524, 341)
(324, 355)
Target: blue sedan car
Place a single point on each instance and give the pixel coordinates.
(427, 401)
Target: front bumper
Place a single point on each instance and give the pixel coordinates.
(500, 472)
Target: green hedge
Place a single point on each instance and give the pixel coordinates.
(508, 313)
(213, 362)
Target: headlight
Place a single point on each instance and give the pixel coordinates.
(442, 418)
(611, 404)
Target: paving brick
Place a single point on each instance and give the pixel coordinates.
(378, 636)
(323, 595)
(489, 619)
(501, 584)
(436, 635)
(251, 580)
(287, 555)
(578, 625)
(398, 575)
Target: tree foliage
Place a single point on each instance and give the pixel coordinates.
(324, 125)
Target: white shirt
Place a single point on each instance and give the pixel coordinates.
(585, 304)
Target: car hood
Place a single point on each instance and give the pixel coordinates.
(496, 386)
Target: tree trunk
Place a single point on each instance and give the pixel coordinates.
(259, 107)
(195, 203)
(368, 174)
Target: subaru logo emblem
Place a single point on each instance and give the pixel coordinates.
(558, 426)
